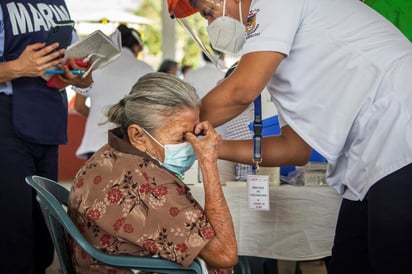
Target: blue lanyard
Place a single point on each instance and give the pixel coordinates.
(257, 137)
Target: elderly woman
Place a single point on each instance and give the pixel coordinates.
(129, 197)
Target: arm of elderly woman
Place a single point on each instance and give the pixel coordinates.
(221, 251)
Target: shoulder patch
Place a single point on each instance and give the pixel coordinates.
(251, 25)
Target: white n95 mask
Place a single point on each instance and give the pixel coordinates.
(226, 34)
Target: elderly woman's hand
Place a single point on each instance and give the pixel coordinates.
(207, 147)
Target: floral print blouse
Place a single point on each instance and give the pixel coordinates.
(124, 202)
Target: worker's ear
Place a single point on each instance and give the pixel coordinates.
(137, 137)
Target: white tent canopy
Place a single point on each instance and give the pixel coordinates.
(89, 14)
(82, 8)
(117, 16)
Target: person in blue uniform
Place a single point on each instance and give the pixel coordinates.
(33, 120)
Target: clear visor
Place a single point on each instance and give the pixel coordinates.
(205, 47)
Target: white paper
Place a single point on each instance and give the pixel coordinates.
(258, 192)
(96, 48)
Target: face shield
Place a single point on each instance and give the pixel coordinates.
(180, 9)
(205, 47)
(185, 8)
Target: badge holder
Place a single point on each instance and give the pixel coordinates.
(258, 185)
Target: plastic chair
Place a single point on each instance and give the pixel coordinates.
(52, 196)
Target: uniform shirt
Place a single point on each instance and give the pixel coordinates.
(344, 85)
(124, 202)
(7, 87)
(111, 84)
(203, 80)
(39, 113)
(4, 87)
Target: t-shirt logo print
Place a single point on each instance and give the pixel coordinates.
(251, 25)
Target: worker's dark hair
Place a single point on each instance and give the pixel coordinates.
(231, 69)
(214, 51)
(130, 36)
(167, 65)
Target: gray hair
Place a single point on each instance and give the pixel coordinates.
(155, 97)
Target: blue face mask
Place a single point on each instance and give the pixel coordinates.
(178, 157)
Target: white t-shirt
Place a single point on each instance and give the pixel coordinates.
(111, 84)
(204, 79)
(345, 86)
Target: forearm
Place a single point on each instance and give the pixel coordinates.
(221, 251)
(80, 105)
(218, 107)
(287, 149)
(233, 95)
(83, 111)
(9, 71)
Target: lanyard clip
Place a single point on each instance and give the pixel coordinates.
(256, 163)
(257, 137)
(257, 152)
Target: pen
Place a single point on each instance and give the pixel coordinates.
(60, 71)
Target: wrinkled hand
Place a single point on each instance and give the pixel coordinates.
(207, 147)
(36, 58)
(75, 79)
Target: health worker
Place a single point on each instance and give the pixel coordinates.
(340, 76)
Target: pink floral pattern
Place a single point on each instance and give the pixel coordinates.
(145, 176)
(114, 196)
(180, 190)
(124, 203)
(97, 180)
(160, 191)
(79, 183)
(208, 232)
(174, 211)
(150, 246)
(128, 228)
(119, 223)
(93, 214)
(181, 247)
(105, 240)
(145, 189)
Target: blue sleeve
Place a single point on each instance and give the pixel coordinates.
(4, 87)
(1, 34)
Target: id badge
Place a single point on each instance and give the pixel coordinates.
(258, 192)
